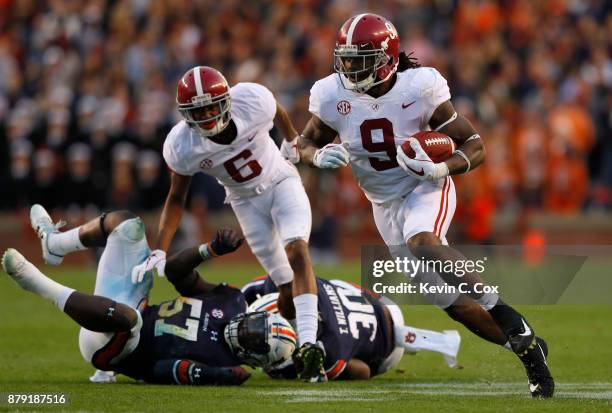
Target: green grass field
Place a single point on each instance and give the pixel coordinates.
(39, 353)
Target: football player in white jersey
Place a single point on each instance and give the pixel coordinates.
(225, 133)
(377, 99)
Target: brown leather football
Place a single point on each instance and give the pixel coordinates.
(437, 145)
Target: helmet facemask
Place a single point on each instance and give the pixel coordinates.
(251, 337)
(195, 111)
(358, 68)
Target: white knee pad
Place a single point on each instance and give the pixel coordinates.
(132, 229)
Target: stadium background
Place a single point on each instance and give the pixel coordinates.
(87, 96)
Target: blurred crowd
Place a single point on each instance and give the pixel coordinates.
(87, 93)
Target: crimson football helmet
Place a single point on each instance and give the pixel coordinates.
(203, 100)
(366, 52)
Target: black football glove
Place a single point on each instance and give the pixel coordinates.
(226, 241)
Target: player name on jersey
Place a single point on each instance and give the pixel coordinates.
(337, 306)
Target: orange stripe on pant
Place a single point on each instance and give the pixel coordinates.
(336, 369)
(103, 357)
(182, 372)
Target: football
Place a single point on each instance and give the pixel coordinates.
(437, 145)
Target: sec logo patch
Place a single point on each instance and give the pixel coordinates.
(217, 313)
(206, 164)
(344, 107)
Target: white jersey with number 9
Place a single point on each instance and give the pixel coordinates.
(374, 127)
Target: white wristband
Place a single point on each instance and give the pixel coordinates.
(204, 251)
(315, 158)
(467, 160)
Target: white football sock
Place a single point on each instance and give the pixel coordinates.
(488, 300)
(62, 243)
(35, 281)
(306, 317)
(416, 339)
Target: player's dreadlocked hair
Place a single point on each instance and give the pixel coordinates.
(406, 61)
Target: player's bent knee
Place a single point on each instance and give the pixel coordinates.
(133, 229)
(422, 240)
(125, 316)
(112, 220)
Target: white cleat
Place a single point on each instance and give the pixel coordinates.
(43, 226)
(452, 349)
(19, 269)
(101, 376)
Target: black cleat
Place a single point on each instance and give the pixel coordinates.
(308, 361)
(541, 383)
(521, 340)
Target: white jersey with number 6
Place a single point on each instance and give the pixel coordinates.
(264, 190)
(247, 166)
(374, 127)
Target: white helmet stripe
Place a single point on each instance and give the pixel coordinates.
(252, 284)
(198, 81)
(349, 35)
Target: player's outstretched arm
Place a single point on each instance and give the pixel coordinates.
(168, 223)
(180, 267)
(181, 371)
(470, 151)
(316, 148)
(173, 210)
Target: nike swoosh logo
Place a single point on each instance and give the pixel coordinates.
(543, 355)
(533, 387)
(527, 331)
(419, 173)
(251, 138)
(404, 106)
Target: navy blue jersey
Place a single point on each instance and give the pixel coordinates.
(352, 323)
(186, 328)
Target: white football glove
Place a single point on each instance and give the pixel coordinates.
(421, 167)
(332, 156)
(289, 150)
(157, 260)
